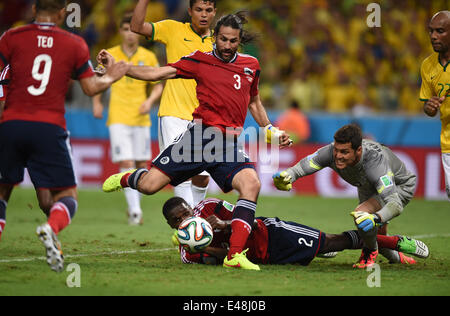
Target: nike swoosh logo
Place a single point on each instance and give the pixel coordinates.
(233, 266)
(187, 40)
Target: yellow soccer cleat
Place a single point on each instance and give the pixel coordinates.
(240, 261)
(282, 181)
(112, 184)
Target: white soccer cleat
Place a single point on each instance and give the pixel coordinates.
(135, 219)
(327, 255)
(52, 246)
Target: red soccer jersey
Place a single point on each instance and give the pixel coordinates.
(43, 59)
(223, 89)
(257, 241)
(4, 80)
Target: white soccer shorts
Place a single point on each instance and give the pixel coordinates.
(169, 127)
(130, 143)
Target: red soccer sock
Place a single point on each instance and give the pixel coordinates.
(389, 242)
(240, 232)
(2, 227)
(59, 217)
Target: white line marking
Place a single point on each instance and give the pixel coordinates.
(124, 252)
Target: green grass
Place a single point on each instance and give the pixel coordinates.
(150, 266)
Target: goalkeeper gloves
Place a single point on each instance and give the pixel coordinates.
(366, 221)
(282, 180)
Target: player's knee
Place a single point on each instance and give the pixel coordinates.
(251, 187)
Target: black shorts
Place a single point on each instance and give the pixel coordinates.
(42, 148)
(200, 149)
(291, 243)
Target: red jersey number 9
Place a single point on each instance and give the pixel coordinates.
(43, 76)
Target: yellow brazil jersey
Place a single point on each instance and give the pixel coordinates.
(436, 82)
(128, 94)
(179, 97)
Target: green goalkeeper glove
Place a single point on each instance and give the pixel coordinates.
(282, 180)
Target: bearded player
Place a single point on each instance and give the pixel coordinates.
(227, 87)
(43, 59)
(179, 99)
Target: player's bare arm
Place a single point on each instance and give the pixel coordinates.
(138, 24)
(154, 96)
(96, 84)
(149, 73)
(259, 113)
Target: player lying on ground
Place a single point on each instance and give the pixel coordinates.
(273, 241)
(385, 185)
(227, 88)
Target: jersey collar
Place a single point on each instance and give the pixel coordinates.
(202, 37)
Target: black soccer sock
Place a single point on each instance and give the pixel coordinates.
(133, 179)
(355, 239)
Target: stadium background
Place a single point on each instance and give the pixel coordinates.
(318, 53)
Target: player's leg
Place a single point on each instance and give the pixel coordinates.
(446, 165)
(247, 183)
(5, 193)
(199, 187)
(45, 200)
(124, 147)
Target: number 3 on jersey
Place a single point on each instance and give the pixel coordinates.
(43, 76)
(237, 85)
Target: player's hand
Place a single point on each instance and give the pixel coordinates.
(433, 104)
(97, 110)
(282, 181)
(272, 133)
(175, 241)
(216, 223)
(145, 108)
(117, 70)
(105, 59)
(365, 221)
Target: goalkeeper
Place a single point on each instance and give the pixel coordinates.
(384, 185)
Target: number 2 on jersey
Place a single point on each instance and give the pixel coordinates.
(43, 76)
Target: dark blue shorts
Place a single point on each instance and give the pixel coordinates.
(203, 148)
(291, 243)
(42, 148)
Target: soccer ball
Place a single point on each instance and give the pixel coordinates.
(195, 234)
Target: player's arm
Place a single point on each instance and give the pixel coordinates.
(138, 24)
(96, 84)
(97, 106)
(2, 105)
(259, 113)
(154, 96)
(317, 161)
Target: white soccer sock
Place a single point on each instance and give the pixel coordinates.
(198, 193)
(184, 190)
(133, 198)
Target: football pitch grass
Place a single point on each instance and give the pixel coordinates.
(116, 259)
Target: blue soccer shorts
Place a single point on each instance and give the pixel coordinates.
(42, 148)
(199, 149)
(292, 243)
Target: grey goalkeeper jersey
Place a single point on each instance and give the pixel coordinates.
(379, 172)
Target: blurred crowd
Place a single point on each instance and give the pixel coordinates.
(320, 54)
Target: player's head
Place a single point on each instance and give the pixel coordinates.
(229, 34)
(55, 9)
(347, 147)
(439, 29)
(176, 210)
(202, 14)
(128, 37)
